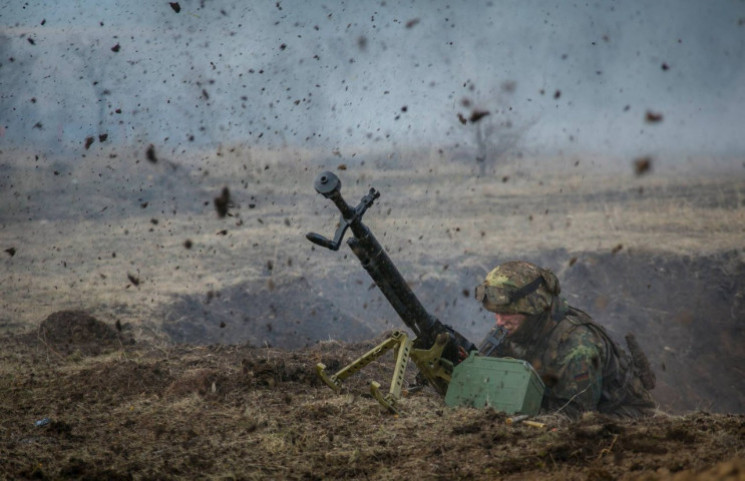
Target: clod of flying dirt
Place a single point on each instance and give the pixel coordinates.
(642, 165)
(68, 331)
(88, 142)
(133, 279)
(150, 154)
(462, 119)
(508, 86)
(116, 48)
(477, 115)
(175, 6)
(653, 117)
(617, 249)
(11, 251)
(221, 202)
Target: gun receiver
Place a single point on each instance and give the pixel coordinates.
(437, 347)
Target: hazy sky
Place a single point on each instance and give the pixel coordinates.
(557, 75)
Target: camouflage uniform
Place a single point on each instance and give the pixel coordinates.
(582, 368)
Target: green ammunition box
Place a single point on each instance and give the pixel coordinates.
(507, 385)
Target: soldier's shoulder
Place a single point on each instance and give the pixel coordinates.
(578, 330)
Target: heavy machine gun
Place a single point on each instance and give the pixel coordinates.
(437, 347)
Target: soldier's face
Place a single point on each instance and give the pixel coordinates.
(510, 322)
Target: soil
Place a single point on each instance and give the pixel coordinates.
(146, 411)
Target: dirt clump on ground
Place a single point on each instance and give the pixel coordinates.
(67, 332)
(159, 411)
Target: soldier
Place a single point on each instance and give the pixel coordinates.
(581, 367)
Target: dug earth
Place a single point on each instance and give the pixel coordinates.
(133, 408)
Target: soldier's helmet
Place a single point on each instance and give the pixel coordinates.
(518, 287)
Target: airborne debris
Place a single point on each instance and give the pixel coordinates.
(175, 6)
(11, 251)
(221, 202)
(134, 280)
(509, 86)
(653, 117)
(412, 23)
(150, 154)
(116, 48)
(477, 115)
(88, 142)
(617, 249)
(642, 165)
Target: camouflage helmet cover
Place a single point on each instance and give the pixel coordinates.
(518, 287)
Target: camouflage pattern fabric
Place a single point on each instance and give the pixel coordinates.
(582, 368)
(499, 289)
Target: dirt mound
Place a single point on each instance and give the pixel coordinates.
(70, 331)
(238, 412)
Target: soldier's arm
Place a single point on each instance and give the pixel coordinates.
(579, 383)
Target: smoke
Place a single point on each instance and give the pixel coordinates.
(553, 77)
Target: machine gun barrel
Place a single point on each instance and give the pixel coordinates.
(383, 272)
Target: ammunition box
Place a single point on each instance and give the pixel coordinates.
(508, 385)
